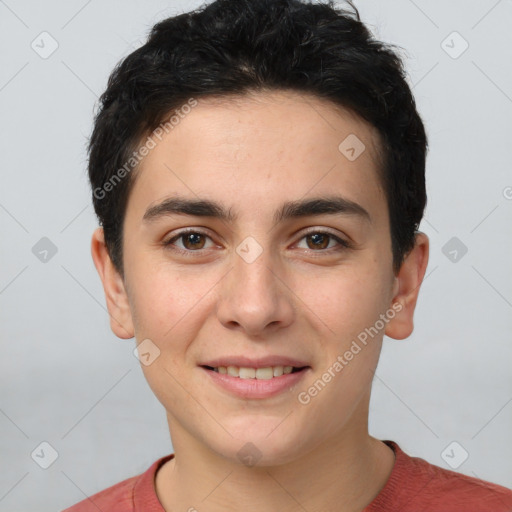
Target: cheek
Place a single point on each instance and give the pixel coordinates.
(347, 302)
(348, 305)
(164, 300)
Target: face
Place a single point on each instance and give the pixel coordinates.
(262, 275)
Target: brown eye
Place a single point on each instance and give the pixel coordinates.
(193, 240)
(187, 241)
(320, 241)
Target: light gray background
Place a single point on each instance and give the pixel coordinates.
(67, 380)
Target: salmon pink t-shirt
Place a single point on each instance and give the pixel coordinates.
(414, 485)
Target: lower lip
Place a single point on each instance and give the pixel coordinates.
(256, 388)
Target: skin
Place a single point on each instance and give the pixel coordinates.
(251, 154)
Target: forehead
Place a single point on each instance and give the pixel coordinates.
(297, 120)
(262, 145)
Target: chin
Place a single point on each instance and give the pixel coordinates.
(260, 443)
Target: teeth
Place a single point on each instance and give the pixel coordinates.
(234, 371)
(255, 373)
(247, 373)
(265, 373)
(278, 371)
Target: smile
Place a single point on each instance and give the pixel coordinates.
(256, 383)
(244, 372)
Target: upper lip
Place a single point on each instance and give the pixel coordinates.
(257, 362)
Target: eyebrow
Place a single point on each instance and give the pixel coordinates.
(330, 205)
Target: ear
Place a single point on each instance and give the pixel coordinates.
(117, 300)
(406, 288)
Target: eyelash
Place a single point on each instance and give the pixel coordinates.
(343, 244)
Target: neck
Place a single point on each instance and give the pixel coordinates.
(344, 473)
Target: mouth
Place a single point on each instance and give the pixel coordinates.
(264, 373)
(251, 383)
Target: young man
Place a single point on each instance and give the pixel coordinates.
(258, 172)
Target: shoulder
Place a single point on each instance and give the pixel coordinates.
(446, 488)
(416, 484)
(113, 499)
(121, 496)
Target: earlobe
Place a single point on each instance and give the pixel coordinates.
(115, 293)
(406, 288)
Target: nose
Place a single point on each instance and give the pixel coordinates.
(254, 297)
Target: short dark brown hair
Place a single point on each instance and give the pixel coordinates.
(231, 47)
